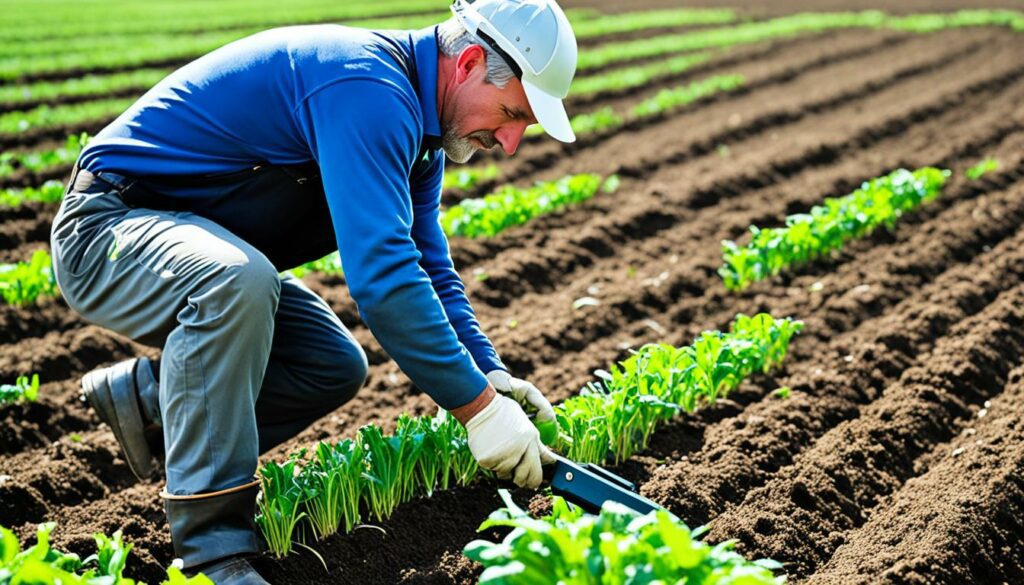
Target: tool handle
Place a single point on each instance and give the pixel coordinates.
(589, 487)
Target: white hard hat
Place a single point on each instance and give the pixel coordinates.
(535, 39)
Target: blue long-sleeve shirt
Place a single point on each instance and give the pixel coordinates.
(363, 105)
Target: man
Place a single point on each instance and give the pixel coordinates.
(273, 151)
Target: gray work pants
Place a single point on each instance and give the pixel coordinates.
(250, 358)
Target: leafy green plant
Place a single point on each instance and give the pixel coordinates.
(646, 19)
(42, 565)
(391, 471)
(23, 389)
(468, 177)
(664, 101)
(982, 168)
(807, 236)
(280, 505)
(617, 546)
(333, 482)
(455, 461)
(598, 121)
(48, 192)
(510, 206)
(176, 577)
(378, 470)
(613, 417)
(616, 415)
(24, 282)
(81, 87)
(37, 161)
(329, 264)
(46, 116)
(783, 27)
(637, 75)
(667, 100)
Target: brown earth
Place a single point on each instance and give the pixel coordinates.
(899, 455)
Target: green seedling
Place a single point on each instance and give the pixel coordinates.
(280, 505)
(24, 282)
(333, 483)
(390, 474)
(880, 202)
(615, 416)
(511, 206)
(40, 564)
(982, 168)
(617, 546)
(23, 390)
(468, 178)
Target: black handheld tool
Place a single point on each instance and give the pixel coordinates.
(590, 486)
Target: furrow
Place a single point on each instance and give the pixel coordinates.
(65, 354)
(57, 412)
(831, 384)
(800, 516)
(959, 522)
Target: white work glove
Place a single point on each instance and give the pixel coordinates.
(504, 440)
(522, 392)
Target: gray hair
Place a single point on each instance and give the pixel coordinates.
(453, 38)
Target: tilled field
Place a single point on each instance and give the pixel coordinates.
(899, 455)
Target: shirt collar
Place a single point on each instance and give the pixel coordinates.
(424, 50)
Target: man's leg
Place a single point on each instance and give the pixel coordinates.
(150, 275)
(315, 365)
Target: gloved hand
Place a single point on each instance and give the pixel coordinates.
(504, 440)
(522, 392)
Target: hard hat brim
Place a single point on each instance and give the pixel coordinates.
(550, 113)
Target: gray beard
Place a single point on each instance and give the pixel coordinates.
(459, 149)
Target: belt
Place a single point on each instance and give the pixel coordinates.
(281, 210)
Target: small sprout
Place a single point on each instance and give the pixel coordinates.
(480, 275)
(23, 390)
(611, 184)
(723, 151)
(512, 323)
(75, 437)
(781, 392)
(986, 166)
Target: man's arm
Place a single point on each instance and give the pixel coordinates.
(436, 260)
(365, 160)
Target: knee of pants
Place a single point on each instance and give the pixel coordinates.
(348, 376)
(252, 285)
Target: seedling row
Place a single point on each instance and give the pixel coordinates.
(610, 420)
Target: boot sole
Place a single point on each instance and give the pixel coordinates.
(111, 393)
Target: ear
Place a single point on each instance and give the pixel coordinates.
(469, 59)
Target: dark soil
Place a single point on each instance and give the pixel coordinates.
(899, 455)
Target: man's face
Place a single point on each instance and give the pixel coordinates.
(482, 115)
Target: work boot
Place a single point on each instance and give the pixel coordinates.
(211, 531)
(231, 571)
(125, 396)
